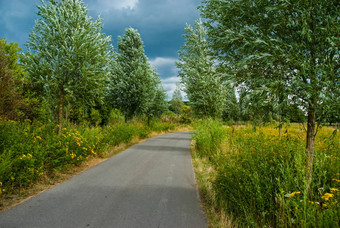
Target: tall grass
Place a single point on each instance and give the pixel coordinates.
(260, 177)
(29, 151)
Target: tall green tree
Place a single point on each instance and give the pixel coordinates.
(133, 81)
(177, 100)
(11, 73)
(294, 43)
(67, 54)
(159, 104)
(231, 109)
(202, 83)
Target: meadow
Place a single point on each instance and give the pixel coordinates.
(254, 177)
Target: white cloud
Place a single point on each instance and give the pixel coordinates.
(162, 61)
(169, 85)
(106, 5)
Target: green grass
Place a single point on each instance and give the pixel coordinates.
(259, 178)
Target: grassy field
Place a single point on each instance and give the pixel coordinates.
(255, 178)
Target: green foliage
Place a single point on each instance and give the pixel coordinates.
(260, 177)
(202, 83)
(11, 99)
(301, 66)
(29, 151)
(134, 84)
(232, 109)
(208, 137)
(67, 55)
(159, 104)
(185, 117)
(176, 103)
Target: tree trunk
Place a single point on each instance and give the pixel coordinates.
(310, 143)
(60, 115)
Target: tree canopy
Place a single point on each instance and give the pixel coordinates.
(202, 83)
(134, 82)
(67, 54)
(293, 44)
(11, 73)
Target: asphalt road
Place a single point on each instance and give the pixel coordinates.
(148, 185)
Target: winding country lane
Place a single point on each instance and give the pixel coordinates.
(149, 185)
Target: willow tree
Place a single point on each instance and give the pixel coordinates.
(133, 80)
(202, 83)
(67, 53)
(292, 43)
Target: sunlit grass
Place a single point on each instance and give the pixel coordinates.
(31, 151)
(260, 175)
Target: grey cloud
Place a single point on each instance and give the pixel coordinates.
(160, 22)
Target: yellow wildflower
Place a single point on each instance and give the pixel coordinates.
(293, 194)
(12, 178)
(327, 196)
(38, 137)
(0, 183)
(84, 148)
(334, 189)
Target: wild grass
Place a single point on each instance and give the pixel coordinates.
(30, 151)
(259, 177)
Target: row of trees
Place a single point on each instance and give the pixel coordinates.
(71, 69)
(283, 56)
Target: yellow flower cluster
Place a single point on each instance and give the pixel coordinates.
(327, 196)
(28, 156)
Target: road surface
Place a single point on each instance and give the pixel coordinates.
(148, 185)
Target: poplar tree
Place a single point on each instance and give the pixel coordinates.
(67, 53)
(177, 100)
(133, 81)
(291, 43)
(202, 83)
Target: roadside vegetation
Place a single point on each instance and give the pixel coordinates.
(258, 178)
(269, 71)
(70, 98)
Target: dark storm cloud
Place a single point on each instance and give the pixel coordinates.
(160, 22)
(17, 19)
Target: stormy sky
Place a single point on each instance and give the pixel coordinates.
(160, 22)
